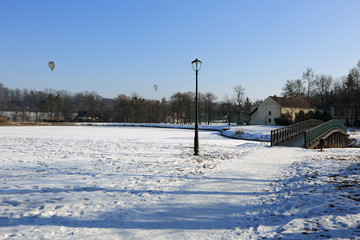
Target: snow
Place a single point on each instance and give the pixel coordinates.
(354, 137)
(245, 132)
(122, 182)
(250, 132)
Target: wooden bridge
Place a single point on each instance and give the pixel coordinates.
(311, 134)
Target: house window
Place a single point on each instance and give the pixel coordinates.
(269, 113)
(269, 120)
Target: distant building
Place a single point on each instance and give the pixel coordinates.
(276, 107)
(344, 113)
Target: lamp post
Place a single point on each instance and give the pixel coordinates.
(196, 64)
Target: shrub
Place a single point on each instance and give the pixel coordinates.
(317, 115)
(283, 121)
(239, 131)
(3, 121)
(300, 116)
(309, 115)
(325, 116)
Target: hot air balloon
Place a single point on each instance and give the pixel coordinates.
(155, 87)
(52, 65)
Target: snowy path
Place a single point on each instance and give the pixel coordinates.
(143, 183)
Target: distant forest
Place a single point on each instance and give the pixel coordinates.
(58, 106)
(53, 105)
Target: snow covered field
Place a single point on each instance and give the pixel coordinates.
(111, 182)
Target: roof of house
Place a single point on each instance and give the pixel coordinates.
(253, 111)
(297, 102)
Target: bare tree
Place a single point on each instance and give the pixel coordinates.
(182, 105)
(39, 100)
(239, 95)
(2, 97)
(322, 85)
(209, 105)
(309, 77)
(247, 108)
(164, 109)
(293, 88)
(137, 103)
(66, 105)
(122, 108)
(88, 105)
(353, 84)
(228, 106)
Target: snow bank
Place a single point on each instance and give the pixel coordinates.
(354, 137)
(245, 132)
(250, 132)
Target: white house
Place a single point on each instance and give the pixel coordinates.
(275, 107)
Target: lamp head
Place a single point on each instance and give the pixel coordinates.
(196, 65)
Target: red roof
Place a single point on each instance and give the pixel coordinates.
(297, 102)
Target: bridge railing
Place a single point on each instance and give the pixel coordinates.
(315, 133)
(282, 134)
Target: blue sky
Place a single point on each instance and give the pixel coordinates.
(121, 47)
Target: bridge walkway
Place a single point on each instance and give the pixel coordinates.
(311, 134)
(297, 141)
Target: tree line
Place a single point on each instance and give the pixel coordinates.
(53, 105)
(327, 92)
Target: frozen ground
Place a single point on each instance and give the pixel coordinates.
(245, 132)
(102, 182)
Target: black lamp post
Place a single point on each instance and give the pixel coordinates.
(196, 64)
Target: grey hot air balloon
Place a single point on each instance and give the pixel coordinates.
(52, 65)
(155, 87)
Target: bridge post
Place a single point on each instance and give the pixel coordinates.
(322, 143)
